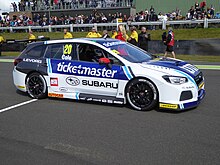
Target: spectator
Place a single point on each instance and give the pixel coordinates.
(67, 34)
(197, 7)
(143, 39)
(93, 34)
(31, 36)
(170, 43)
(105, 34)
(203, 5)
(133, 39)
(121, 33)
(114, 33)
(191, 11)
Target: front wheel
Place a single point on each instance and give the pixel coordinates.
(142, 94)
(36, 86)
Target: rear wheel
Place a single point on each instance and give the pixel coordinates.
(36, 86)
(142, 94)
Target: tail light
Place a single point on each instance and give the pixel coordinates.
(16, 61)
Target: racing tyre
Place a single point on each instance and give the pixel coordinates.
(36, 86)
(142, 94)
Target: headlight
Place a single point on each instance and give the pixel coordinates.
(175, 79)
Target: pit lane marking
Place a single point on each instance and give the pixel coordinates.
(17, 105)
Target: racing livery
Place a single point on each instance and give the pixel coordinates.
(108, 71)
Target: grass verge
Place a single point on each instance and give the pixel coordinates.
(180, 34)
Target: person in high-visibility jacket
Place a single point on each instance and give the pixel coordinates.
(133, 39)
(114, 33)
(1, 42)
(93, 34)
(67, 34)
(31, 36)
(170, 43)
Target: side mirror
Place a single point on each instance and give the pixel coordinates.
(105, 61)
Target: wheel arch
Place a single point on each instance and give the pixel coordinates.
(140, 77)
(31, 72)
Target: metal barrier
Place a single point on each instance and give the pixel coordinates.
(50, 28)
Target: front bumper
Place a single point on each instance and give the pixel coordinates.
(184, 106)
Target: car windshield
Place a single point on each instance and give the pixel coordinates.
(128, 51)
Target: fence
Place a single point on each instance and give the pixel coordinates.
(74, 27)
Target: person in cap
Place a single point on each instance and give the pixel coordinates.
(93, 34)
(170, 43)
(67, 34)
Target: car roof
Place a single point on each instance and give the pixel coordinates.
(85, 40)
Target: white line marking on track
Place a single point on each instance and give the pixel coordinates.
(17, 105)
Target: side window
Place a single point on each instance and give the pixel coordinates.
(89, 53)
(92, 53)
(64, 51)
(36, 52)
(114, 60)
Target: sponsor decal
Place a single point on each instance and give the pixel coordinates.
(66, 57)
(100, 84)
(63, 89)
(22, 87)
(118, 102)
(98, 100)
(73, 81)
(109, 44)
(69, 68)
(201, 85)
(188, 87)
(32, 60)
(55, 95)
(110, 101)
(169, 106)
(190, 68)
(53, 81)
(89, 99)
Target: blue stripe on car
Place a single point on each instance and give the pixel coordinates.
(187, 76)
(49, 66)
(127, 73)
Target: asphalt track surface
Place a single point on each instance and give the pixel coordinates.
(60, 132)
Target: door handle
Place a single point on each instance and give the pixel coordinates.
(44, 64)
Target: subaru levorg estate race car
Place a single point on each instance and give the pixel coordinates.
(109, 71)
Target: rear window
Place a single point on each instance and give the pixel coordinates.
(36, 52)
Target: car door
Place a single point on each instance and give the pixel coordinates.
(59, 58)
(95, 78)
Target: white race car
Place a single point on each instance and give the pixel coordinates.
(109, 71)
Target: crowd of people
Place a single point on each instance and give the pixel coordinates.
(198, 11)
(35, 5)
